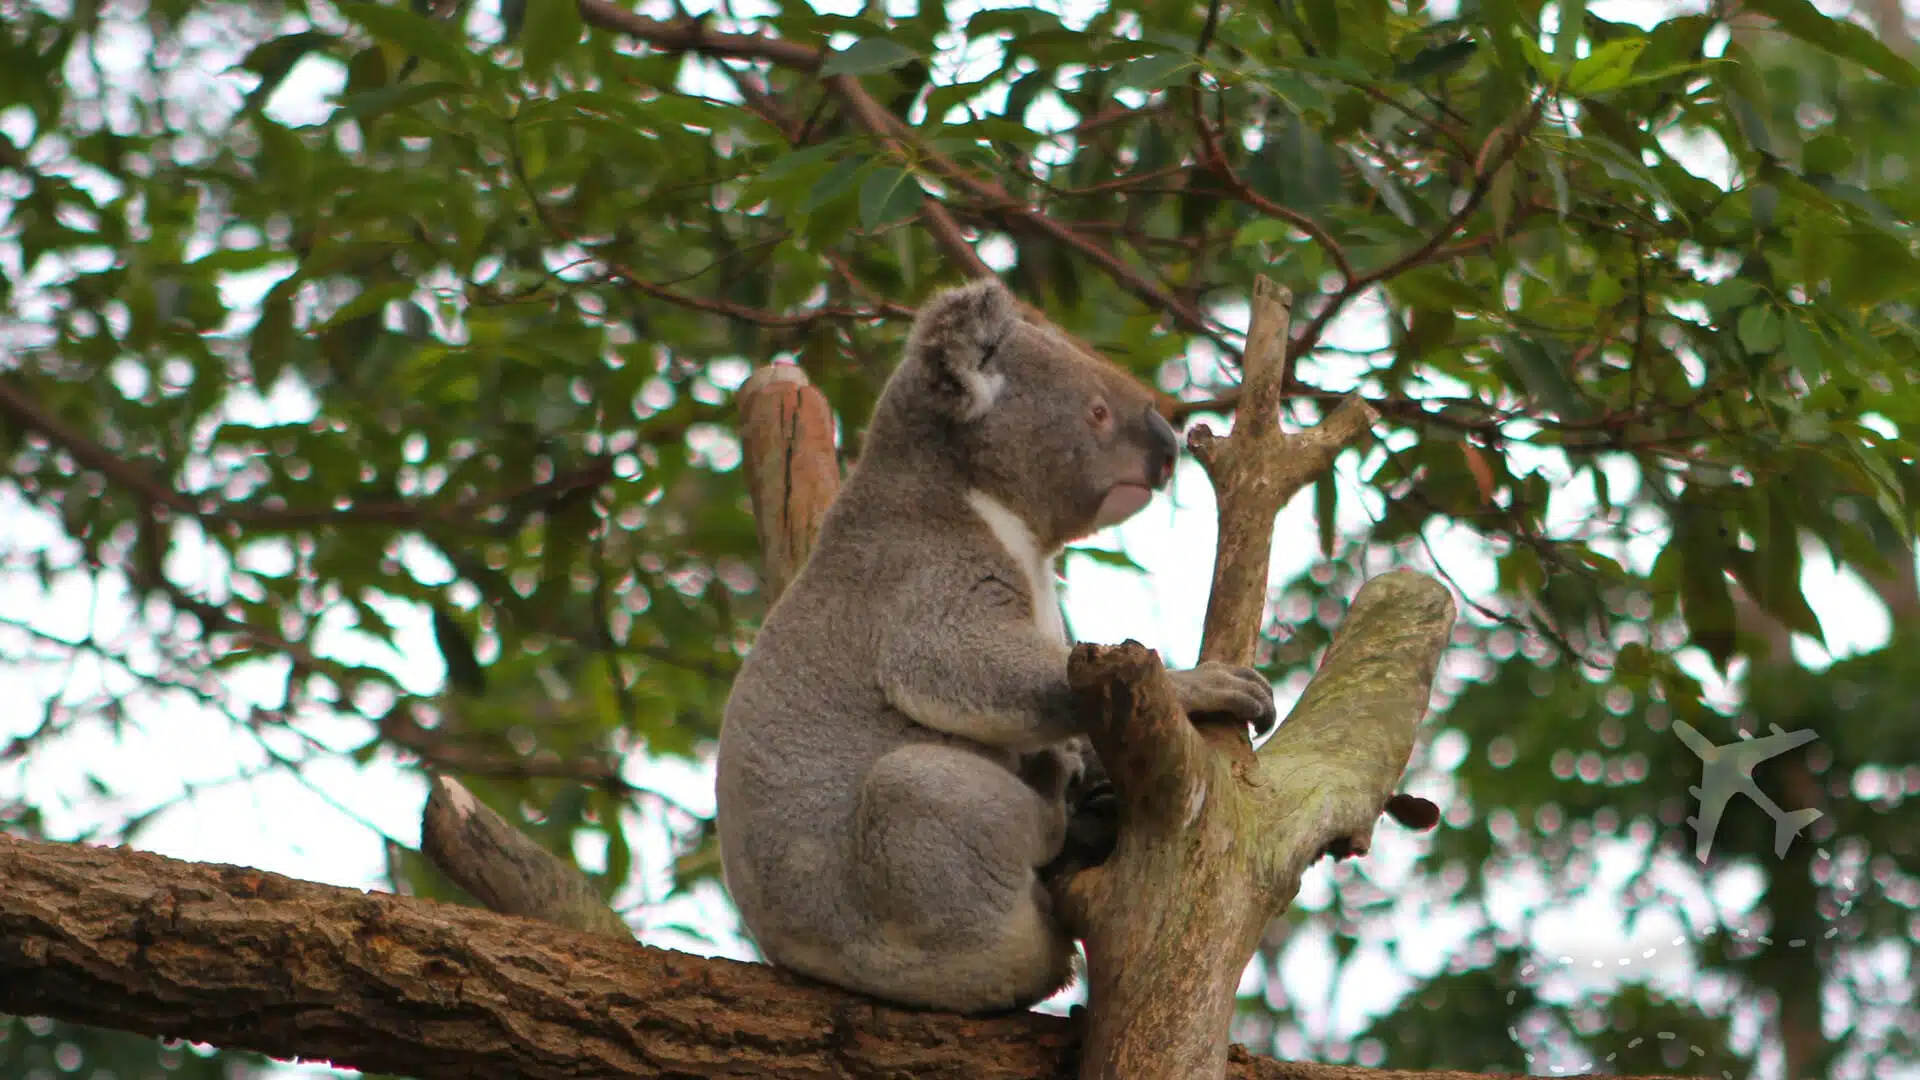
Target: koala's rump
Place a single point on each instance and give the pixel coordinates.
(802, 726)
(800, 735)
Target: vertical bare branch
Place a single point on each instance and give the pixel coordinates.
(1214, 838)
(793, 473)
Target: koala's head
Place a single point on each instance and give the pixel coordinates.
(1068, 441)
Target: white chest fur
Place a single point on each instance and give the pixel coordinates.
(1037, 565)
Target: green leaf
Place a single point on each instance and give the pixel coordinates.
(274, 60)
(1837, 36)
(395, 98)
(1270, 230)
(1872, 266)
(552, 28)
(1607, 68)
(1499, 18)
(1778, 585)
(1500, 197)
(867, 56)
(1544, 377)
(1882, 483)
(1605, 290)
(887, 195)
(238, 260)
(1545, 66)
(1826, 154)
(1117, 559)
(834, 185)
(1434, 288)
(789, 170)
(464, 672)
(1438, 60)
(371, 301)
(414, 34)
(1326, 501)
(1573, 23)
(619, 849)
(273, 335)
(1803, 351)
(795, 160)
(513, 18)
(1759, 328)
(1707, 602)
(1323, 17)
(1672, 72)
(1429, 329)
(1153, 72)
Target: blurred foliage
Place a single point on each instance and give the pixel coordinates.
(318, 318)
(37, 1047)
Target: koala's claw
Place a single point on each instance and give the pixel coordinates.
(1093, 830)
(1239, 692)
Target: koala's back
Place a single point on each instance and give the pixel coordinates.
(807, 720)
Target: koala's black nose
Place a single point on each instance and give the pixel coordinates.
(1163, 448)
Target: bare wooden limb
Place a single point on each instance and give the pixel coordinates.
(1255, 470)
(1211, 847)
(504, 868)
(383, 983)
(1213, 838)
(793, 473)
(394, 984)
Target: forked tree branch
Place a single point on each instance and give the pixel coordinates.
(1213, 838)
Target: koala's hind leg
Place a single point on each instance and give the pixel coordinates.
(947, 845)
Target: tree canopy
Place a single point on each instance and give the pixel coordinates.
(322, 321)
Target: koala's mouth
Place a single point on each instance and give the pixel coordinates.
(1122, 502)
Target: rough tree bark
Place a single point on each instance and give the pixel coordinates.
(1214, 838)
(786, 436)
(1213, 842)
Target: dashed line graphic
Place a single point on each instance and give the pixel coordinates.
(1726, 771)
(1533, 969)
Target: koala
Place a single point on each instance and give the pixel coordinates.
(897, 751)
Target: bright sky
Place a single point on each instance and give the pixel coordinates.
(326, 822)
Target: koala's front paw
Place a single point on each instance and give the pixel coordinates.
(1239, 692)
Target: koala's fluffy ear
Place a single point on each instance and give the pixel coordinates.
(956, 334)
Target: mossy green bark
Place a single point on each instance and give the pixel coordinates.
(1213, 837)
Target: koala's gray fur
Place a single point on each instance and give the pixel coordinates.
(895, 751)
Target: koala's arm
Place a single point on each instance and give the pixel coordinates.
(977, 666)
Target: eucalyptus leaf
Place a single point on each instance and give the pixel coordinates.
(868, 56)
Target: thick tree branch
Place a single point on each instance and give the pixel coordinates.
(1213, 838)
(385, 983)
(382, 983)
(1212, 845)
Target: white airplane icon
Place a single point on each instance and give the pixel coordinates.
(1728, 770)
